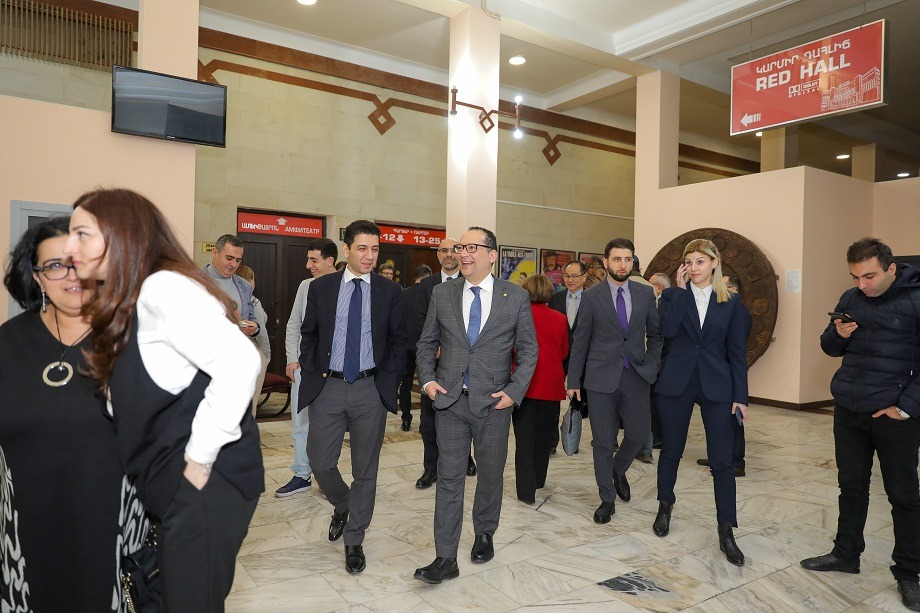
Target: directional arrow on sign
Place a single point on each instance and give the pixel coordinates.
(281, 221)
(749, 119)
(400, 238)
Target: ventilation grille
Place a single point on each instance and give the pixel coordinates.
(41, 31)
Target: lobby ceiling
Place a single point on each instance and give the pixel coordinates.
(583, 56)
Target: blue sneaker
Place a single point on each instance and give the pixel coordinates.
(296, 484)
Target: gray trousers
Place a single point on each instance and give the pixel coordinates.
(629, 404)
(359, 407)
(456, 428)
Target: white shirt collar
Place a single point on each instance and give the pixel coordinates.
(366, 277)
(704, 292)
(486, 284)
(445, 276)
(575, 293)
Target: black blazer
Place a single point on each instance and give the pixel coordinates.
(423, 299)
(388, 332)
(557, 302)
(413, 325)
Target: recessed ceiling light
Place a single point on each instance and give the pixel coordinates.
(758, 133)
(517, 60)
(901, 175)
(307, 2)
(843, 156)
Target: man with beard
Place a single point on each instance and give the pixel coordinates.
(618, 328)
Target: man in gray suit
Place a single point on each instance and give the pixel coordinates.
(617, 348)
(477, 322)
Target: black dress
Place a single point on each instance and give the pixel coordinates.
(67, 513)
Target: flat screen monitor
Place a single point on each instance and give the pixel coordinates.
(157, 105)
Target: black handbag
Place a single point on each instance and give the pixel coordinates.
(140, 578)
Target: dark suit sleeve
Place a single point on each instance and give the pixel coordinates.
(581, 340)
(398, 337)
(428, 342)
(736, 350)
(654, 341)
(671, 308)
(525, 351)
(309, 332)
(422, 300)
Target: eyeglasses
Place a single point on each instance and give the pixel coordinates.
(445, 249)
(471, 248)
(574, 276)
(54, 271)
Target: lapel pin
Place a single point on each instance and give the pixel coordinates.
(505, 295)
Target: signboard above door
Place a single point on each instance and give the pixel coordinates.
(837, 74)
(279, 225)
(405, 235)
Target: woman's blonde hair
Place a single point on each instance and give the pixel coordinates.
(708, 248)
(246, 273)
(539, 287)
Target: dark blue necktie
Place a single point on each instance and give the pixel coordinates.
(352, 364)
(472, 330)
(624, 321)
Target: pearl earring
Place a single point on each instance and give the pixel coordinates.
(44, 302)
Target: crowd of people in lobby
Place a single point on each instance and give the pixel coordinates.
(128, 388)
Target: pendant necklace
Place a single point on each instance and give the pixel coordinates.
(61, 369)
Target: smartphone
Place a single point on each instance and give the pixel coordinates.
(841, 316)
(739, 417)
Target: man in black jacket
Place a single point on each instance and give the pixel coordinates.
(422, 271)
(877, 409)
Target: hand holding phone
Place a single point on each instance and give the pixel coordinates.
(835, 315)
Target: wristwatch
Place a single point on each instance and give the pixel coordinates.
(903, 414)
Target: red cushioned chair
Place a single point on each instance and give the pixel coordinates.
(276, 384)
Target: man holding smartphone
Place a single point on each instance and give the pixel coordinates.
(876, 409)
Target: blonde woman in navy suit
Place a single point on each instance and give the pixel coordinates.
(704, 325)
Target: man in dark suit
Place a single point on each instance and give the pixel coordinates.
(618, 328)
(478, 322)
(567, 302)
(450, 269)
(352, 356)
(422, 271)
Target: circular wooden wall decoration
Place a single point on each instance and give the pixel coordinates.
(740, 258)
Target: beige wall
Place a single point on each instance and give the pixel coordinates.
(896, 215)
(53, 153)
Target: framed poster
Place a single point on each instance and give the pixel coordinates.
(516, 263)
(552, 263)
(594, 262)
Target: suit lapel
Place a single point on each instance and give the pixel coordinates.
(499, 301)
(710, 313)
(638, 309)
(694, 316)
(457, 293)
(607, 303)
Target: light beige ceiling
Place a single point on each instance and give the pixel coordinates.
(583, 55)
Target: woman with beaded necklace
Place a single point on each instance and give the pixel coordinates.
(67, 513)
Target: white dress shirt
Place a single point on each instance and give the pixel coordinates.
(702, 300)
(485, 297)
(447, 277)
(183, 329)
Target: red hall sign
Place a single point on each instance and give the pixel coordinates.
(838, 74)
(400, 235)
(279, 225)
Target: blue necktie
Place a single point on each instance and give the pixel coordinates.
(624, 321)
(352, 364)
(472, 330)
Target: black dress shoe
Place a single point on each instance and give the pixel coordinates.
(739, 472)
(622, 487)
(728, 546)
(910, 593)
(482, 548)
(354, 559)
(337, 525)
(662, 524)
(406, 422)
(604, 512)
(471, 468)
(645, 458)
(831, 562)
(438, 571)
(428, 477)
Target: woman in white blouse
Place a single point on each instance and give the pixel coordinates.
(179, 374)
(704, 362)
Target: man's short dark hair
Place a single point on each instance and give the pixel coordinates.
(582, 267)
(227, 238)
(361, 226)
(637, 267)
(340, 266)
(326, 247)
(491, 241)
(868, 248)
(386, 266)
(422, 271)
(619, 243)
(734, 282)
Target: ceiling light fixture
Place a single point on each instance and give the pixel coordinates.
(485, 117)
(758, 134)
(902, 175)
(307, 2)
(843, 156)
(517, 60)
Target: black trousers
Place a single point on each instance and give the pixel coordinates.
(534, 423)
(197, 543)
(674, 419)
(857, 437)
(405, 386)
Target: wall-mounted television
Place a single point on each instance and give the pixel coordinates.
(157, 105)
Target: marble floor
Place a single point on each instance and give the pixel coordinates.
(552, 556)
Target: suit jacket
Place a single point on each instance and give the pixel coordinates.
(413, 323)
(509, 329)
(388, 332)
(558, 302)
(718, 347)
(423, 299)
(548, 381)
(600, 343)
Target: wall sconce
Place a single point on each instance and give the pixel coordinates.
(485, 117)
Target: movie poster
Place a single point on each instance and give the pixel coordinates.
(553, 262)
(516, 263)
